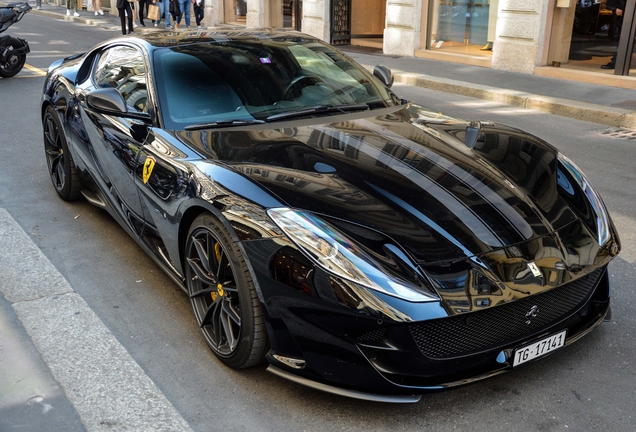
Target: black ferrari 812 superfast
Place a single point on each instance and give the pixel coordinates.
(358, 243)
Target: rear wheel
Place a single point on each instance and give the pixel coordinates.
(223, 296)
(62, 170)
(13, 62)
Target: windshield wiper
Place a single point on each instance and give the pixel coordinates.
(223, 123)
(318, 109)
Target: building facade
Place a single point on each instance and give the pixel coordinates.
(569, 39)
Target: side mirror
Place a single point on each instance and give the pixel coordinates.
(110, 101)
(384, 74)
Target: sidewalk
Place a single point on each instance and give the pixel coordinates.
(587, 102)
(61, 369)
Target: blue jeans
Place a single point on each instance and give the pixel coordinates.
(184, 5)
(164, 10)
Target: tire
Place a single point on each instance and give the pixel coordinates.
(14, 61)
(62, 170)
(223, 296)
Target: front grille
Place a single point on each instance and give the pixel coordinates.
(501, 325)
(372, 335)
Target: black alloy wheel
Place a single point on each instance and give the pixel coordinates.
(58, 159)
(14, 62)
(223, 296)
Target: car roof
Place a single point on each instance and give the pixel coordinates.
(212, 35)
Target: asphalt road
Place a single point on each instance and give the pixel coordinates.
(588, 386)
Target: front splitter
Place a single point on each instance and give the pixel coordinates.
(344, 392)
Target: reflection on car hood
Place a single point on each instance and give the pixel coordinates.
(408, 174)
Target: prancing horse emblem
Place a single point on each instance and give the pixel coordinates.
(532, 314)
(148, 166)
(535, 269)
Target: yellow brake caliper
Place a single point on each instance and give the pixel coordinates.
(219, 287)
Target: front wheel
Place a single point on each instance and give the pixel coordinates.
(62, 171)
(223, 295)
(13, 62)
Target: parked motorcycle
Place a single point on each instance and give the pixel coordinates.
(13, 50)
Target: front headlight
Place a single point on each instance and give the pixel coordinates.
(602, 217)
(339, 256)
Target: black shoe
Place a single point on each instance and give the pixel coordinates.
(142, 24)
(610, 65)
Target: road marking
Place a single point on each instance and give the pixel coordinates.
(34, 69)
(107, 388)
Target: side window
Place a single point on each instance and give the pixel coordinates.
(123, 68)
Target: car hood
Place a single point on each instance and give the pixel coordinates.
(407, 173)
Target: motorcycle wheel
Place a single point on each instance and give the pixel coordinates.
(13, 62)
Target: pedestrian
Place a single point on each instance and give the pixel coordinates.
(125, 12)
(38, 4)
(199, 7)
(163, 11)
(97, 5)
(71, 4)
(184, 6)
(143, 11)
(132, 9)
(618, 8)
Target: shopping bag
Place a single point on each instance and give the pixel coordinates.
(153, 12)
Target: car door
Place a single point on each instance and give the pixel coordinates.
(115, 141)
(165, 180)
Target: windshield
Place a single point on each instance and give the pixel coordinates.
(260, 80)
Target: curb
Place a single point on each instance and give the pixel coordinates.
(80, 19)
(606, 115)
(107, 388)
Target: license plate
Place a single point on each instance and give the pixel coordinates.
(539, 348)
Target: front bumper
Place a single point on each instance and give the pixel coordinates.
(337, 345)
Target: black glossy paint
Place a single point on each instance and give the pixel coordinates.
(459, 223)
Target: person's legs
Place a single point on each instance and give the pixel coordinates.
(198, 14)
(618, 25)
(181, 10)
(97, 5)
(142, 12)
(186, 11)
(122, 19)
(130, 18)
(164, 9)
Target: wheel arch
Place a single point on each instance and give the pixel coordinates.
(188, 218)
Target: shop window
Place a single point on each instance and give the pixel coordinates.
(456, 25)
(235, 11)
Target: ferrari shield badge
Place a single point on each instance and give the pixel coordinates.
(148, 166)
(534, 269)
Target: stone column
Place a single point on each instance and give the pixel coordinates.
(403, 27)
(316, 18)
(212, 13)
(522, 34)
(264, 13)
(256, 13)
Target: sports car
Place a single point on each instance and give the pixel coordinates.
(358, 243)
